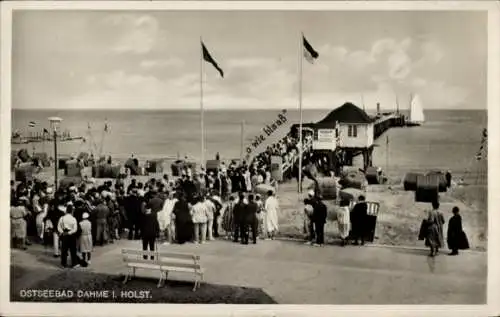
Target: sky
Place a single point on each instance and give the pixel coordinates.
(151, 59)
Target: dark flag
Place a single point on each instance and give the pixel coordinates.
(45, 131)
(32, 124)
(208, 58)
(309, 53)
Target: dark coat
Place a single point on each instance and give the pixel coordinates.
(358, 217)
(319, 212)
(456, 237)
(239, 212)
(133, 207)
(149, 226)
(156, 204)
(250, 214)
(181, 212)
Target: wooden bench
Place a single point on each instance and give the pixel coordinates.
(163, 262)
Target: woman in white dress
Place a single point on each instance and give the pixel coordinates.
(271, 221)
(344, 221)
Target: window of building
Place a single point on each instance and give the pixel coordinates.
(352, 131)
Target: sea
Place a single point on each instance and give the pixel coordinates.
(449, 139)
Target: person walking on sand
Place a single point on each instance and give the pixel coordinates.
(272, 209)
(456, 237)
(434, 233)
(85, 238)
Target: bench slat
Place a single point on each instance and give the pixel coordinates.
(193, 266)
(144, 265)
(162, 254)
(163, 262)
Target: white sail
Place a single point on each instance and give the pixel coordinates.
(416, 110)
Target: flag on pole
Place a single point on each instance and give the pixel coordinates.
(209, 59)
(45, 131)
(387, 140)
(32, 124)
(106, 127)
(309, 53)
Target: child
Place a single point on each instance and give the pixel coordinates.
(86, 238)
(48, 232)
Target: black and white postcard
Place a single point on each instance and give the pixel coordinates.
(273, 157)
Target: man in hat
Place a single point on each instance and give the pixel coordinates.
(67, 228)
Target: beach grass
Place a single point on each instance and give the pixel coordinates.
(174, 292)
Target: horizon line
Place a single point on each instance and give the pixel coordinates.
(230, 109)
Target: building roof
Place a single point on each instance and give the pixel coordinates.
(347, 113)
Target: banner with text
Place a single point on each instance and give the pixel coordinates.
(269, 135)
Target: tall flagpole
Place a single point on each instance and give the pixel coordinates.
(202, 119)
(300, 109)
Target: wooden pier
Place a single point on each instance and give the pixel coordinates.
(355, 134)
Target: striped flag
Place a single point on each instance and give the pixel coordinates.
(32, 124)
(209, 59)
(309, 53)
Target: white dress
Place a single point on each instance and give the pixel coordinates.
(272, 208)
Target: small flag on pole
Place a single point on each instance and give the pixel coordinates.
(32, 124)
(309, 53)
(208, 58)
(45, 131)
(106, 127)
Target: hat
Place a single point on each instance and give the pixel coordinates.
(61, 208)
(217, 199)
(85, 215)
(311, 193)
(70, 203)
(49, 190)
(73, 188)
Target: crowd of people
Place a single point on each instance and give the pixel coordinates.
(76, 218)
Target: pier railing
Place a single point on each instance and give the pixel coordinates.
(306, 146)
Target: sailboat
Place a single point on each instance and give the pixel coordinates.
(417, 116)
